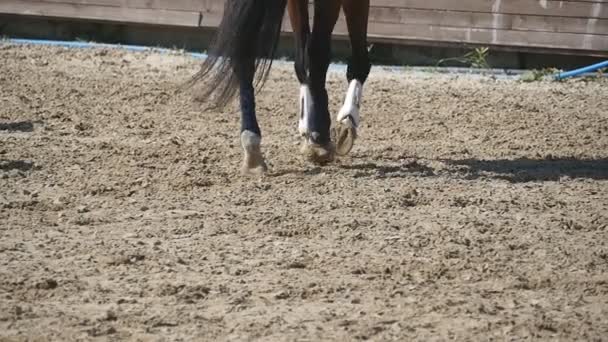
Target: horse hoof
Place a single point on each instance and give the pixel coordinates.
(345, 135)
(318, 154)
(257, 168)
(253, 164)
(253, 160)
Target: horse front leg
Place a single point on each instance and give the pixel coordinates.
(317, 146)
(357, 13)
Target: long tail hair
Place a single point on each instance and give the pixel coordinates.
(250, 30)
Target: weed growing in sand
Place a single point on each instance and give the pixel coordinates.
(477, 58)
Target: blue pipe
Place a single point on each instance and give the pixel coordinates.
(84, 45)
(136, 48)
(580, 71)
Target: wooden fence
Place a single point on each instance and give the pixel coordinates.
(569, 26)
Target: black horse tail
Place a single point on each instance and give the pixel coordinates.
(249, 31)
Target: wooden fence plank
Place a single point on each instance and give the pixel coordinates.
(177, 5)
(486, 36)
(530, 7)
(466, 19)
(103, 13)
(560, 8)
(577, 25)
(489, 21)
(426, 32)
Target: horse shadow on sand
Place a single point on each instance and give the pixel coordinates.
(21, 126)
(20, 165)
(12, 127)
(520, 170)
(534, 170)
(376, 169)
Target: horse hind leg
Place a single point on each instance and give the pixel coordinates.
(251, 136)
(349, 117)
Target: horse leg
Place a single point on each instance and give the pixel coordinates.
(318, 146)
(356, 13)
(298, 15)
(243, 50)
(251, 135)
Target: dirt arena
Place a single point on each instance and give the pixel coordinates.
(472, 208)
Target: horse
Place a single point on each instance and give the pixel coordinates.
(241, 56)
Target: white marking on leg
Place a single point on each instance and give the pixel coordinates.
(305, 110)
(352, 104)
(250, 141)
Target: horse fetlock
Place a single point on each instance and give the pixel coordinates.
(251, 141)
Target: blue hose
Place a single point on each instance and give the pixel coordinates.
(135, 48)
(84, 45)
(580, 71)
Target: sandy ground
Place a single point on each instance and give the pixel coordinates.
(470, 209)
